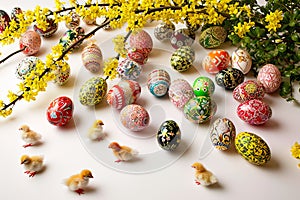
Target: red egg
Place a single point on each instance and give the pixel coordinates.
(216, 61)
(269, 76)
(31, 41)
(142, 41)
(60, 111)
(248, 90)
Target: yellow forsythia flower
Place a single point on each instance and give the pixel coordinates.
(110, 68)
(295, 150)
(273, 19)
(242, 29)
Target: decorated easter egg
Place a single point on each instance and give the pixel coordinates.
(89, 21)
(62, 75)
(248, 90)
(212, 37)
(199, 109)
(203, 86)
(182, 37)
(134, 117)
(168, 135)
(216, 61)
(50, 30)
(180, 63)
(26, 66)
(31, 42)
(253, 148)
(158, 82)
(229, 78)
(137, 55)
(4, 20)
(92, 91)
(60, 111)
(128, 69)
(75, 21)
(241, 59)
(124, 93)
(254, 112)
(186, 52)
(164, 31)
(15, 11)
(141, 40)
(269, 76)
(92, 58)
(70, 37)
(180, 92)
(222, 133)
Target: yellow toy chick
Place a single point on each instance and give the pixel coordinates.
(29, 136)
(203, 176)
(123, 153)
(96, 131)
(78, 182)
(32, 164)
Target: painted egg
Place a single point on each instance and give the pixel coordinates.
(222, 133)
(253, 148)
(92, 91)
(199, 109)
(89, 21)
(180, 92)
(15, 11)
(134, 117)
(4, 20)
(186, 52)
(62, 75)
(128, 69)
(26, 66)
(51, 28)
(248, 90)
(72, 36)
(182, 37)
(164, 31)
(75, 21)
(269, 76)
(168, 135)
(212, 37)
(124, 93)
(31, 42)
(141, 40)
(203, 86)
(92, 58)
(158, 82)
(229, 78)
(137, 55)
(60, 111)
(216, 61)
(254, 112)
(180, 63)
(241, 59)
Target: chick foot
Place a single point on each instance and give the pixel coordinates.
(27, 145)
(32, 174)
(197, 182)
(118, 161)
(79, 191)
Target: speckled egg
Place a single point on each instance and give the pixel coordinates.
(168, 135)
(134, 117)
(182, 37)
(158, 82)
(253, 148)
(269, 76)
(60, 111)
(92, 91)
(241, 59)
(92, 58)
(4, 20)
(248, 90)
(186, 52)
(212, 37)
(62, 75)
(51, 28)
(229, 78)
(72, 36)
(222, 133)
(203, 86)
(254, 112)
(15, 11)
(75, 21)
(180, 92)
(164, 31)
(26, 66)
(128, 69)
(124, 93)
(31, 41)
(141, 40)
(216, 61)
(137, 55)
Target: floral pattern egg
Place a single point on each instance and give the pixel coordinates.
(72, 36)
(92, 91)
(222, 133)
(124, 93)
(241, 59)
(168, 135)
(31, 42)
(75, 21)
(248, 90)
(4, 20)
(62, 75)
(158, 82)
(128, 69)
(212, 37)
(141, 40)
(26, 66)
(60, 111)
(203, 86)
(137, 55)
(164, 31)
(180, 92)
(216, 61)
(185, 51)
(254, 112)
(253, 148)
(269, 76)
(51, 28)
(92, 58)
(182, 37)
(134, 117)
(229, 78)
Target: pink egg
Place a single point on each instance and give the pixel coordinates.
(31, 41)
(248, 90)
(180, 92)
(137, 55)
(60, 111)
(142, 41)
(269, 76)
(134, 117)
(216, 61)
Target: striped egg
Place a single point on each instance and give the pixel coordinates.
(92, 58)
(93, 91)
(31, 42)
(180, 92)
(129, 69)
(158, 82)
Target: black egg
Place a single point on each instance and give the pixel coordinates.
(229, 78)
(168, 135)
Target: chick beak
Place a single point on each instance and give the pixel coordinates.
(91, 176)
(22, 162)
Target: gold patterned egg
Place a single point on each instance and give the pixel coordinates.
(212, 37)
(92, 91)
(253, 148)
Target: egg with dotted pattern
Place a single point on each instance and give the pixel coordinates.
(31, 42)
(92, 91)
(270, 77)
(203, 86)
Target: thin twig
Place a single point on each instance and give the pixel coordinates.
(10, 55)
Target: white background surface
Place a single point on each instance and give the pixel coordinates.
(66, 149)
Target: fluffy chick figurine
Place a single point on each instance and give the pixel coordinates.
(29, 136)
(123, 153)
(32, 164)
(78, 182)
(96, 131)
(203, 176)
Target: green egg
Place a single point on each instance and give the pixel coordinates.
(212, 37)
(92, 91)
(203, 86)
